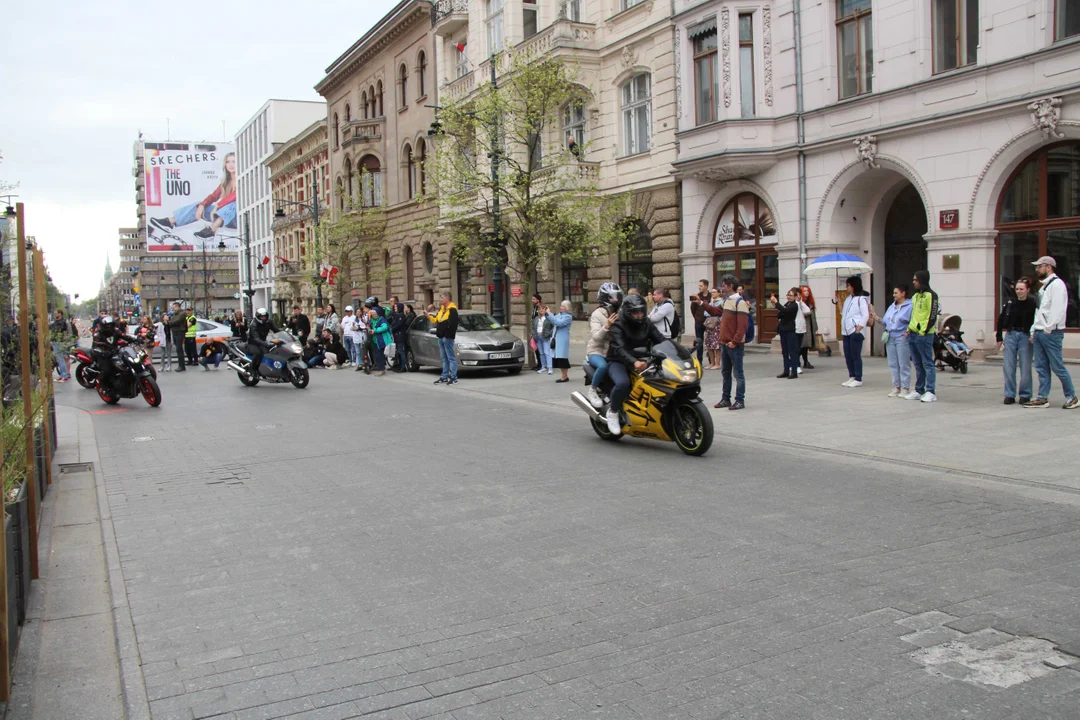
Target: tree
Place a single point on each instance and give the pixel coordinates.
(544, 201)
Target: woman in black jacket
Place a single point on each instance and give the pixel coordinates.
(789, 341)
(397, 329)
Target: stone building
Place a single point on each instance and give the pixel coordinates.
(378, 97)
(623, 49)
(937, 134)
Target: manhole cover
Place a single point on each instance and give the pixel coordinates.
(146, 438)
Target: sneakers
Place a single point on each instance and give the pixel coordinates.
(614, 425)
(913, 395)
(722, 404)
(549, 372)
(1038, 403)
(895, 392)
(162, 224)
(737, 405)
(847, 383)
(540, 371)
(452, 381)
(1070, 404)
(1010, 401)
(206, 233)
(855, 383)
(799, 370)
(594, 398)
(442, 381)
(929, 397)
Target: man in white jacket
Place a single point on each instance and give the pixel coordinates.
(663, 312)
(1047, 333)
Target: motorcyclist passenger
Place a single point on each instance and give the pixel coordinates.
(608, 297)
(106, 347)
(257, 345)
(631, 330)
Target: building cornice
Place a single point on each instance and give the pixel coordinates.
(298, 141)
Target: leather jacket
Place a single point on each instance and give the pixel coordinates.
(624, 338)
(258, 332)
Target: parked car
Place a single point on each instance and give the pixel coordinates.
(481, 344)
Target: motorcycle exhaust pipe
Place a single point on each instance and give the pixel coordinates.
(237, 368)
(583, 402)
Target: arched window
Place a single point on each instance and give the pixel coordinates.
(429, 257)
(379, 98)
(408, 262)
(347, 169)
(337, 137)
(348, 113)
(421, 158)
(421, 74)
(340, 194)
(374, 106)
(1039, 214)
(410, 172)
(403, 81)
(637, 114)
(364, 104)
(371, 181)
(574, 128)
(389, 286)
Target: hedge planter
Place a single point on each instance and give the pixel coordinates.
(40, 470)
(17, 528)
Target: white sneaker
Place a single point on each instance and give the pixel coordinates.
(800, 370)
(594, 398)
(895, 392)
(614, 426)
(929, 397)
(549, 371)
(847, 383)
(913, 395)
(855, 383)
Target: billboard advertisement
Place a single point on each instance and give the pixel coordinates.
(190, 196)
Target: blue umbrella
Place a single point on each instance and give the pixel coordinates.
(836, 263)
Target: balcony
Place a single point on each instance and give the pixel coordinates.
(362, 132)
(289, 270)
(560, 34)
(140, 196)
(584, 174)
(459, 88)
(449, 16)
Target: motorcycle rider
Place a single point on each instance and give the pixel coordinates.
(608, 297)
(257, 345)
(106, 346)
(632, 329)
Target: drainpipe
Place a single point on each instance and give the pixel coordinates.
(801, 124)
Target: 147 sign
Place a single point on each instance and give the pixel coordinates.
(949, 219)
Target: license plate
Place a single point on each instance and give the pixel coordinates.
(499, 356)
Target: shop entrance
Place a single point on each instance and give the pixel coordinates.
(745, 246)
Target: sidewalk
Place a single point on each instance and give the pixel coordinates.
(968, 430)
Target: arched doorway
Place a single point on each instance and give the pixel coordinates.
(905, 248)
(744, 245)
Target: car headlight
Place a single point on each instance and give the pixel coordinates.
(518, 345)
(468, 346)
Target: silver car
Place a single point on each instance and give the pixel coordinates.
(481, 344)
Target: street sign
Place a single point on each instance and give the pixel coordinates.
(515, 291)
(949, 219)
(236, 296)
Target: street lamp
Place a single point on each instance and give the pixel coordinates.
(313, 208)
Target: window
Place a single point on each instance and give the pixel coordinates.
(703, 36)
(403, 82)
(364, 104)
(956, 33)
(379, 99)
(494, 26)
(746, 64)
(635, 257)
(627, 4)
(574, 126)
(855, 46)
(575, 282)
(429, 257)
(464, 286)
(410, 172)
(536, 151)
(421, 160)
(349, 179)
(337, 137)
(421, 74)
(370, 181)
(389, 287)
(348, 112)
(636, 114)
(374, 107)
(1039, 214)
(572, 8)
(461, 59)
(1067, 19)
(408, 262)
(528, 17)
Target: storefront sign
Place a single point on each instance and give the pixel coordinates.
(949, 219)
(515, 291)
(491, 287)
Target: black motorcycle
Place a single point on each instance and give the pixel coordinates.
(131, 379)
(282, 363)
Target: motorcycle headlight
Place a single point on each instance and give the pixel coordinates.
(468, 346)
(296, 349)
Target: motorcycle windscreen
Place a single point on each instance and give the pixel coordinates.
(672, 351)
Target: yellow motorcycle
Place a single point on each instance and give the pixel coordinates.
(663, 404)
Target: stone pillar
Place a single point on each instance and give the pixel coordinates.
(963, 272)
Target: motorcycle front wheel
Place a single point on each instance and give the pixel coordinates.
(80, 376)
(150, 391)
(692, 428)
(109, 395)
(300, 379)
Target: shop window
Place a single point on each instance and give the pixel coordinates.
(1039, 214)
(703, 36)
(855, 46)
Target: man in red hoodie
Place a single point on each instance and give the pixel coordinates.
(734, 319)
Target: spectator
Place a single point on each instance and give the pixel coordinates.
(897, 349)
(853, 320)
(314, 353)
(191, 345)
(177, 329)
(800, 327)
(350, 332)
(696, 301)
(239, 326)
(662, 315)
(734, 320)
(320, 320)
(97, 320)
(1014, 340)
(712, 327)
(60, 340)
(333, 351)
(410, 316)
(809, 339)
(538, 357)
(921, 331)
(333, 322)
(382, 336)
(787, 314)
(446, 324)
(633, 291)
(561, 342)
(299, 324)
(161, 341)
(1047, 333)
(211, 353)
(398, 328)
(543, 330)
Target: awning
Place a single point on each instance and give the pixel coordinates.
(708, 27)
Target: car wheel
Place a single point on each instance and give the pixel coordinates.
(410, 361)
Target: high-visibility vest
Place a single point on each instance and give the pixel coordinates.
(190, 327)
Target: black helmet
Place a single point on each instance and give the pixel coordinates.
(261, 315)
(108, 324)
(634, 310)
(609, 295)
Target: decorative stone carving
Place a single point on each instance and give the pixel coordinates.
(1046, 114)
(678, 72)
(629, 56)
(766, 30)
(866, 146)
(725, 54)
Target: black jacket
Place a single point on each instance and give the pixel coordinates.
(258, 332)
(447, 328)
(106, 343)
(625, 338)
(786, 314)
(300, 325)
(1016, 315)
(210, 348)
(397, 323)
(239, 328)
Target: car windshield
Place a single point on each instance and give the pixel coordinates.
(477, 321)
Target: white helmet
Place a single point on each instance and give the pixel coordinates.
(261, 314)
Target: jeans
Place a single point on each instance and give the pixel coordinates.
(789, 346)
(1018, 349)
(349, 348)
(853, 354)
(215, 358)
(543, 352)
(178, 342)
(899, 356)
(1047, 358)
(380, 358)
(227, 213)
(60, 355)
(699, 335)
(601, 364)
(449, 360)
(731, 360)
(316, 360)
(620, 376)
(922, 354)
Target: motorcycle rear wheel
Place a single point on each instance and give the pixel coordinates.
(300, 379)
(150, 391)
(600, 428)
(249, 381)
(692, 428)
(80, 376)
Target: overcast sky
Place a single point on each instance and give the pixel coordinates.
(80, 80)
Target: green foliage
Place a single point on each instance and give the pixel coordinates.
(351, 241)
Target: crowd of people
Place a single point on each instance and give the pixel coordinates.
(370, 338)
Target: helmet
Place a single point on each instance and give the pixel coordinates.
(609, 295)
(261, 315)
(634, 310)
(108, 323)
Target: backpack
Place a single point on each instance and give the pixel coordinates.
(749, 327)
(676, 324)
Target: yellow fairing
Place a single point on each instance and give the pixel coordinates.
(643, 411)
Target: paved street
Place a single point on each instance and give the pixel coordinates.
(385, 548)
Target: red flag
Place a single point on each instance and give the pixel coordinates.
(331, 275)
(460, 47)
(266, 260)
(281, 259)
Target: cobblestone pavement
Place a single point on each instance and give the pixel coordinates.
(385, 548)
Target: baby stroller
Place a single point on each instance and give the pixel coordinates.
(949, 346)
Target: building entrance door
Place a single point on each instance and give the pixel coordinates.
(905, 248)
(759, 273)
